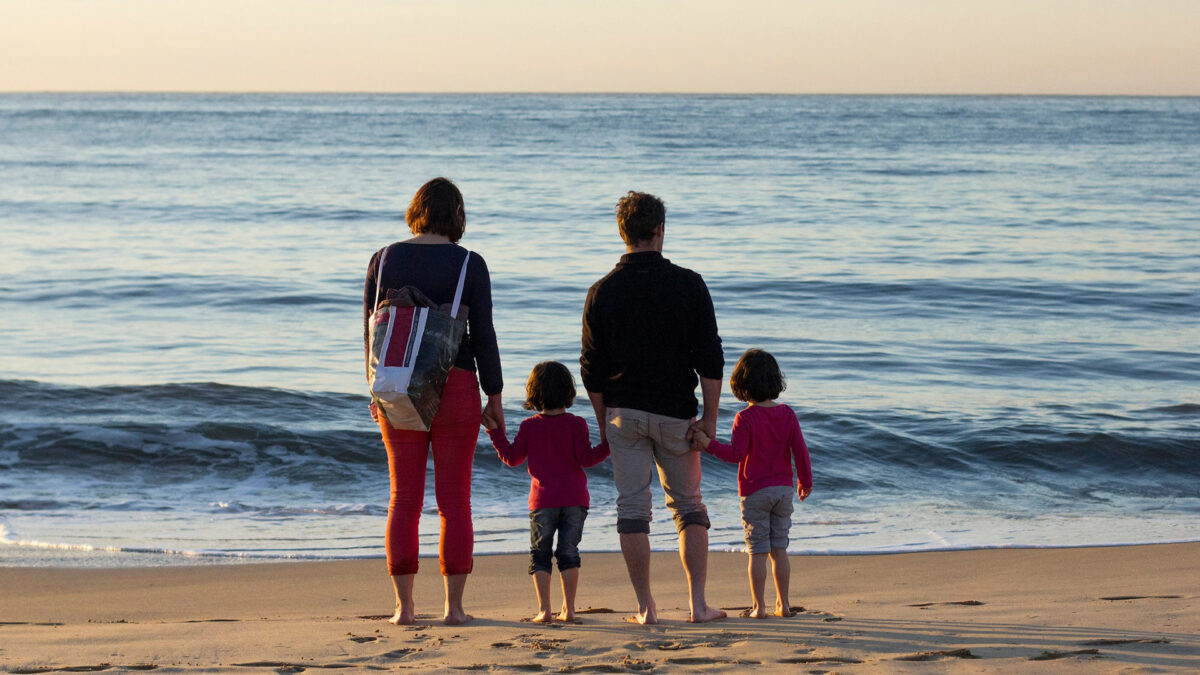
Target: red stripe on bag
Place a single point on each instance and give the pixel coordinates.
(402, 328)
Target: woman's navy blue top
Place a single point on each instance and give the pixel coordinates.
(434, 269)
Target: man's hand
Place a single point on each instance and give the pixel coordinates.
(495, 411)
(488, 421)
(601, 411)
(803, 492)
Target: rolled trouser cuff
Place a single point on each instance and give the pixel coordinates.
(633, 526)
(683, 520)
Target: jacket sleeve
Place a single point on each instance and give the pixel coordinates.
(736, 450)
(513, 453)
(800, 456)
(594, 366)
(481, 328)
(708, 360)
(587, 454)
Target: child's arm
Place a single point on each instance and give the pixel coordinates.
(586, 453)
(803, 463)
(513, 453)
(735, 451)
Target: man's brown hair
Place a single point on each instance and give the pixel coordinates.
(638, 215)
(437, 208)
(551, 386)
(756, 377)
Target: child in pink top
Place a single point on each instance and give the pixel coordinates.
(558, 448)
(766, 442)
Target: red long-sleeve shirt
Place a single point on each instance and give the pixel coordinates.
(558, 449)
(766, 441)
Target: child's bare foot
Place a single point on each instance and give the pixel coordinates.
(783, 609)
(402, 617)
(757, 612)
(542, 617)
(706, 614)
(456, 617)
(566, 615)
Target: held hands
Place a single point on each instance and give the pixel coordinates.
(699, 436)
(493, 414)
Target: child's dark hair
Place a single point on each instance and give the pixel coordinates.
(756, 377)
(550, 386)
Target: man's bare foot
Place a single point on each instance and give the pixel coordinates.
(757, 612)
(783, 609)
(645, 617)
(705, 615)
(542, 617)
(456, 617)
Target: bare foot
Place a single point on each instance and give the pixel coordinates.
(783, 609)
(757, 612)
(645, 617)
(456, 617)
(542, 617)
(705, 615)
(566, 615)
(402, 617)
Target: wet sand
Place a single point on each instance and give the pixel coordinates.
(1126, 609)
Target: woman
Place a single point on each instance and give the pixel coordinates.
(431, 261)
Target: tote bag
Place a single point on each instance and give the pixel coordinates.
(412, 350)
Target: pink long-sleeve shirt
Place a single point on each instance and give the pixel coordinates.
(766, 441)
(558, 449)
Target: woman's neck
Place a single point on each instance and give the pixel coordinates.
(428, 238)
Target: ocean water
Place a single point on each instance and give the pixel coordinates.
(987, 308)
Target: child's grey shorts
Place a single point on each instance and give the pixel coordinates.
(767, 517)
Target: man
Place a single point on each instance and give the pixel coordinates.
(648, 330)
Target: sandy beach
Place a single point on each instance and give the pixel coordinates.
(1115, 609)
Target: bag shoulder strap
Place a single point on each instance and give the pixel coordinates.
(462, 279)
(379, 276)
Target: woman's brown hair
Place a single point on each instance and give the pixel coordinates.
(756, 377)
(550, 386)
(437, 208)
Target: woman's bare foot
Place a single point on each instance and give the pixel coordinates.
(705, 615)
(456, 617)
(783, 609)
(542, 617)
(402, 617)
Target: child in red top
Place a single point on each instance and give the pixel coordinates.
(766, 442)
(558, 448)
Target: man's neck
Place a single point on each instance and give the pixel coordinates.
(645, 246)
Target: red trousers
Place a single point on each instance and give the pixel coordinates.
(452, 435)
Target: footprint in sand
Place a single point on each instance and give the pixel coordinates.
(967, 603)
(940, 654)
(1054, 656)
(1127, 641)
(820, 659)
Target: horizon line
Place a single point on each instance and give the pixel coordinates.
(331, 92)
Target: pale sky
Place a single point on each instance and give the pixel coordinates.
(722, 46)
